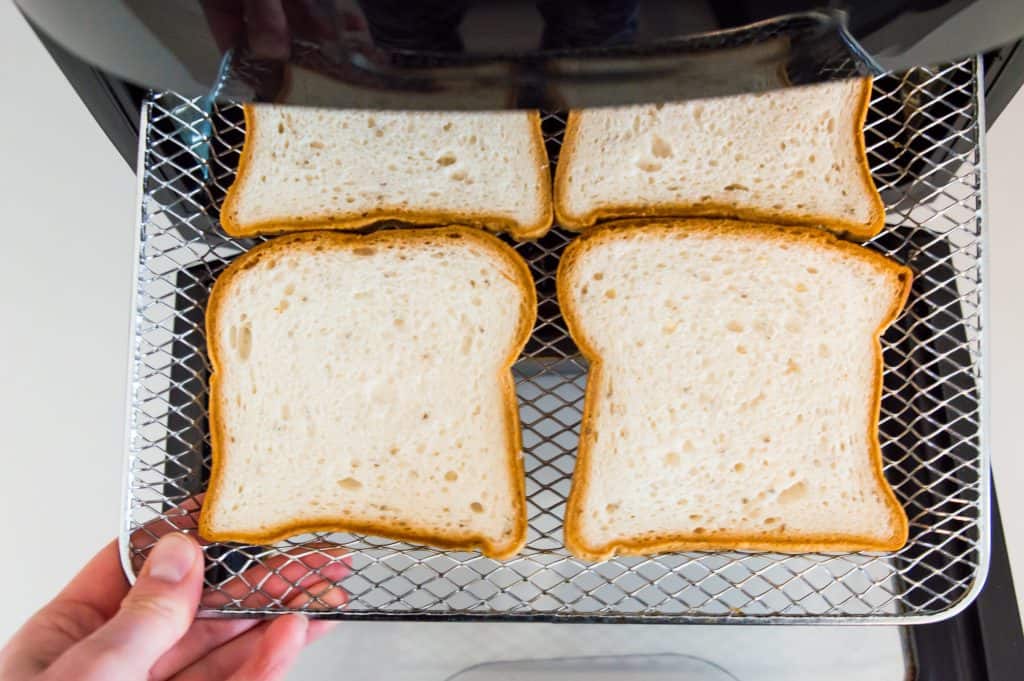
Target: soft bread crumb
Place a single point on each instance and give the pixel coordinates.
(732, 395)
(378, 399)
(343, 169)
(794, 156)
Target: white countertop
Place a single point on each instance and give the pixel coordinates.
(68, 204)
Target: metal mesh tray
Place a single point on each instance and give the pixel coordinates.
(924, 139)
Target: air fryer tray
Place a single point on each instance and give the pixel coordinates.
(925, 144)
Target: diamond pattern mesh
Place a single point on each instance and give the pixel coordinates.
(924, 141)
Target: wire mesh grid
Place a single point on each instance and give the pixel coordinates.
(924, 142)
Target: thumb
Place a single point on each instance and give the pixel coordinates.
(156, 613)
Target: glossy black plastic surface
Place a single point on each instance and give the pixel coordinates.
(465, 54)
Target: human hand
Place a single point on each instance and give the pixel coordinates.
(99, 629)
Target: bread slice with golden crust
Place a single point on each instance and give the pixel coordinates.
(734, 389)
(789, 156)
(363, 384)
(307, 168)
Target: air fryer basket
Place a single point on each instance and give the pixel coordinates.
(925, 144)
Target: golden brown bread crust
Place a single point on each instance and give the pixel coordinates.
(852, 230)
(354, 221)
(663, 542)
(341, 240)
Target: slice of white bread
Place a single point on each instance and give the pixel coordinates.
(305, 168)
(363, 384)
(791, 156)
(734, 389)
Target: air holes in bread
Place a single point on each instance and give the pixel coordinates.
(244, 340)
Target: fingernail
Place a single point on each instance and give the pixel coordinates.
(171, 558)
(301, 622)
(304, 620)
